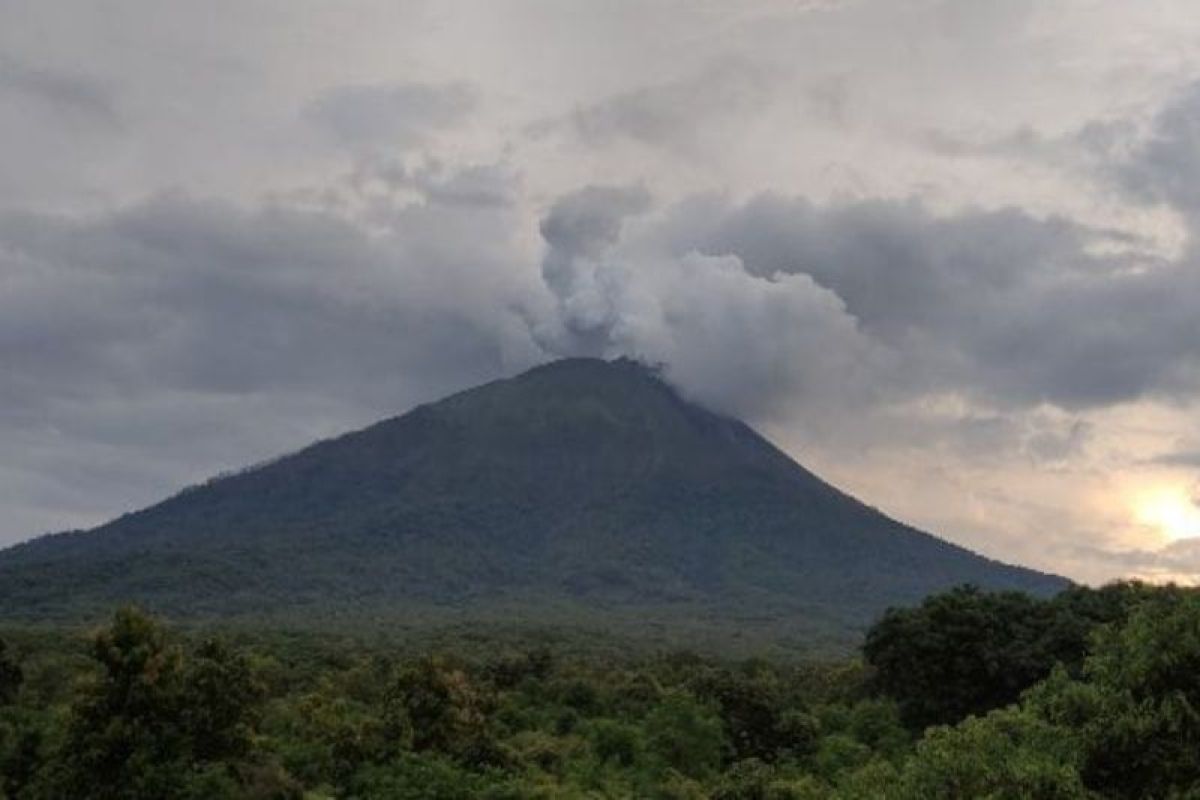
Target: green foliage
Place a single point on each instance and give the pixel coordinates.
(124, 739)
(687, 735)
(154, 713)
(418, 777)
(26, 737)
(966, 651)
(1136, 710)
(1008, 755)
(152, 724)
(616, 742)
(433, 705)
(322, 737)
(752, 779)
(219, 702)
(11, 676)
(757, 719)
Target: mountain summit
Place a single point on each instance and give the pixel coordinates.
(580, 486)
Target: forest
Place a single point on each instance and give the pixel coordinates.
(971, 694)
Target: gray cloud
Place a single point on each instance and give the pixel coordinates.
(58, 126)
(1175, 562)
(1097, 146)
(178, 335)
(1179, 458)
(1166, 166)
(73, 99)
(1154, 163)
(681, 114)
(475, 185)
(1059, 444)
(586, 222)
(388, 181)
(393, 115)
(998, 304)
(199, 296)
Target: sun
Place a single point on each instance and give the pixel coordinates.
(1173, 511)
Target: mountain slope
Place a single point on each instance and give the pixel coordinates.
(582, 485)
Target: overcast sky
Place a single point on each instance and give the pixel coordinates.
(942, 251)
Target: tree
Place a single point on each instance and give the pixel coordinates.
(432, 705)
(966, 652)
(756, 715)
(11, 676)
(153, 724)
(123, 738)
(1136, 709)
(23, 750)
(1008, 755)
(219, 701)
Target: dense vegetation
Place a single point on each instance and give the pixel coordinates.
(1092, 694)
(583, 488)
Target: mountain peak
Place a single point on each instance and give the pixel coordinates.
(583, 375)
(621, 365)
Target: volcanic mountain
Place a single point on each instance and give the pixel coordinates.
(582, 489)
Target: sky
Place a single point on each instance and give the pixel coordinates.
(943, 252)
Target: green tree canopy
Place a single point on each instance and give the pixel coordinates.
(1136, 709)
(967, 652)
(11, 675)
(152, 723)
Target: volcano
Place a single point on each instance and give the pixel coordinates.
(583, 489)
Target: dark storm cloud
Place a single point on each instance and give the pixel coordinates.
(391, 115)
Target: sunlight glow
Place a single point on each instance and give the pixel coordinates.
(1173, 511)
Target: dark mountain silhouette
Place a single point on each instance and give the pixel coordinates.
(580, 488)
